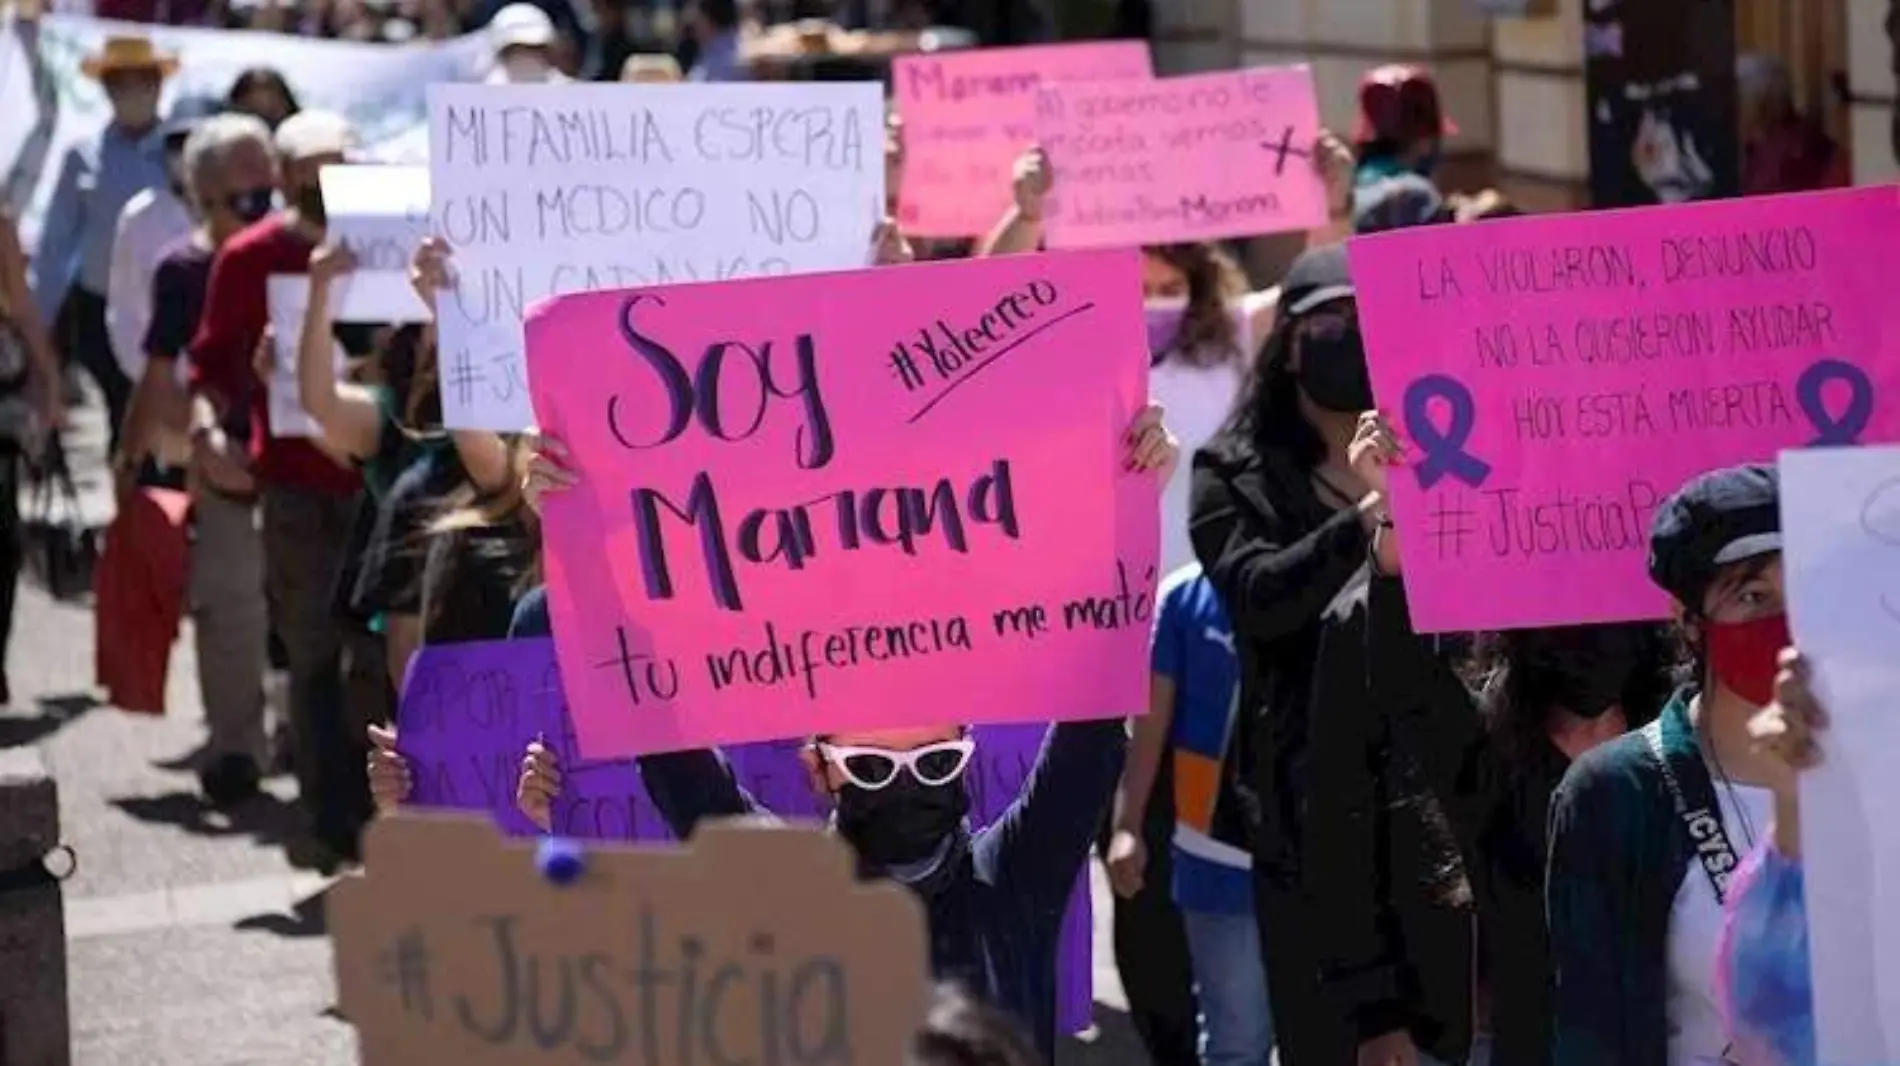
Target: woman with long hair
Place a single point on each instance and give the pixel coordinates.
(1282, 517)
(262, 91)
(393, 432)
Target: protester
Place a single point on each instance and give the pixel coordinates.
(153, 222)
(262, 91)
(1645, 829)
(524, 44)
(97, 177)
(229, 169)
(1191, 714)
(1280, 522)
(1764, 977)
(31, 405)
(1402, 126)
(714, 26)
(1431, 805)
(337, 676)
(994, 898)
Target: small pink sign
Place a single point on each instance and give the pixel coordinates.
(1181, 159)
(877, 499)
(1557, 378)
(968, 115)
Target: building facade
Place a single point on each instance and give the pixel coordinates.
(1515, 84)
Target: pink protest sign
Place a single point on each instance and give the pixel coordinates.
(1557, 378)
(885, 498)
(1181, 159)
(968, 115)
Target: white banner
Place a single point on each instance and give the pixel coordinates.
(379, 87)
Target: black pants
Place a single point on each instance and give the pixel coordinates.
(1307, 1025)
(1151, 948)
(83, 339)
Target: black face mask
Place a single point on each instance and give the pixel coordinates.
(309, 202)
(250, 205)
(1333, 368)
(902, 824)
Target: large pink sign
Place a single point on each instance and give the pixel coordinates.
(968, 115)
(1557, 378)
(885, 498)
(1198, 158)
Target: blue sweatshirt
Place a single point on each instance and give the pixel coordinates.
(995, 925)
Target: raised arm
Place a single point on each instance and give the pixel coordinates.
(352, 420)
(1020, 228)
(1039, 844)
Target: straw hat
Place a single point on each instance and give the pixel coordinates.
(128, 53)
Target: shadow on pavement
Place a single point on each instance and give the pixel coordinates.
(264, 817)
(1114, 1042)
(306, 919)
(55, 713)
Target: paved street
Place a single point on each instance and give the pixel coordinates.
(190, 938)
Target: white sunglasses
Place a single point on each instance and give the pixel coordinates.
(872, 769)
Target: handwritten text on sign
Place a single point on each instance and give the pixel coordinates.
(652, 955)
(862, 500)
(470, 710)
(968, 115)
(544, 190)
(1558, 378)
(1181, 159)
(382, 214)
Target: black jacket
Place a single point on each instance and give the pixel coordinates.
(1391, 730)
(1277, 556)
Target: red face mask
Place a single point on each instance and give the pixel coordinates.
(1743, 656)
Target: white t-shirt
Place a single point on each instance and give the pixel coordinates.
(1197, 401)
(1697, 1036)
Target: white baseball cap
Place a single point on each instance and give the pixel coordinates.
(309, 133)
(520, 25)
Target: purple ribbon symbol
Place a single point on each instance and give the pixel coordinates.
(1444, 450)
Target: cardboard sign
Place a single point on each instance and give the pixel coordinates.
(382, 214)
(968, 115)
(469, 711)
(1557, 378)
(655, 955)
(287, 297)
(1181, 159)
(1840, 522)
(765, 463)
(543, 189)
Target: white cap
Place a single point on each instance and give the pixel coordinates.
(520, 24)
(309, 133)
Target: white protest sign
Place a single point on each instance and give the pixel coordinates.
(378, 87)
(288, 295)
(1840, 519)
(545, 190)
(382, 214)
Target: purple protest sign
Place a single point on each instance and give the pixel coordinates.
(470, 710)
